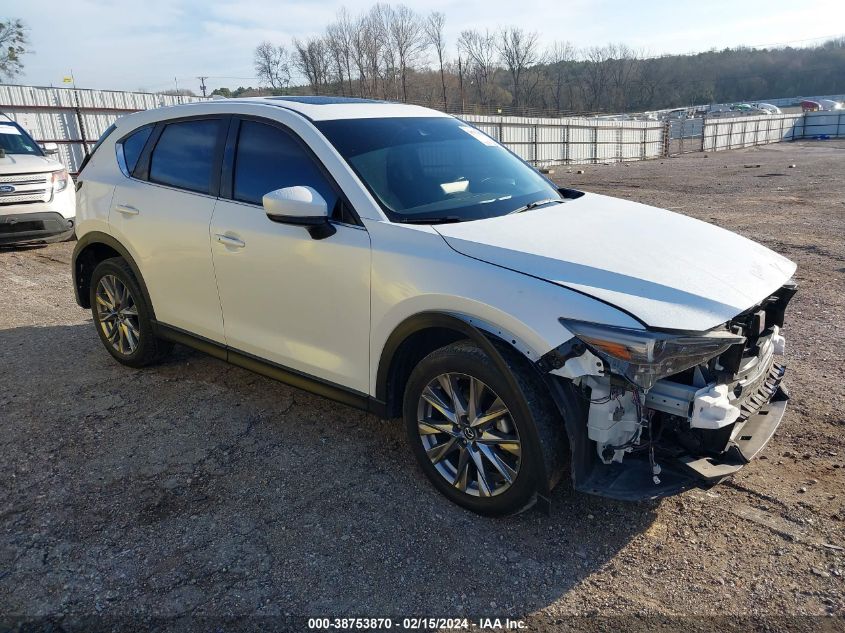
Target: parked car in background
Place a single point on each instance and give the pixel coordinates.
(810, 106)
(829, 105)
(401, 261)
(768, 107)
(37, 201)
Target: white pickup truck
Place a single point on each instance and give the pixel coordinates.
(37, 201)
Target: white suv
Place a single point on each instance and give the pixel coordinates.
(36, 193)
(399, 260)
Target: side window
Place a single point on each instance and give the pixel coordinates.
(133, 145)
(268, 158)
(184, 155)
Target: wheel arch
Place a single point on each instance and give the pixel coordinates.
(90, 250)
(419, 335)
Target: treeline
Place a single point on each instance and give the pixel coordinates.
(392, 52)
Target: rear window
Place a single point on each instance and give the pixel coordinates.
(184, 155)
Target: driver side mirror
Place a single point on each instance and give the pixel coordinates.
(300, 206)
(50, 148)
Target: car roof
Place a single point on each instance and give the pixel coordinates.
(327, 108)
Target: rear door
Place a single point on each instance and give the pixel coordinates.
(299, 302)
(161, 212)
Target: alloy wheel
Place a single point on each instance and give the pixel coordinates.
(469, 435)
(117, 313)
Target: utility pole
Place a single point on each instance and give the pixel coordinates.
(202, 84)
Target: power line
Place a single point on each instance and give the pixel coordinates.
(808, 39)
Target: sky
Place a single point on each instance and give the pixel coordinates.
(154, 45)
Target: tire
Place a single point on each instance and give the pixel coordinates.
(122, 317)
(512, 438)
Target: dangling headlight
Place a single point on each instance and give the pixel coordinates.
(645, 357)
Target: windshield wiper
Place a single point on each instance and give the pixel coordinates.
(432, 220)
(537, 203)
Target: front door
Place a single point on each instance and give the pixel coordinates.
(288, 298)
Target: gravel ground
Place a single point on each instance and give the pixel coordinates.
(199, 489)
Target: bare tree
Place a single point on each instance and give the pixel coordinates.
(312, 60)
(621, 67)
(359, 44)
(272, 65)
(480, 51)
(559, 57)
(596, 60)
(407, 37)
(519, 51)
(339, 36)
(13, 40)
(461, 66)
(368, 50)
(434, 26)
(652, 80)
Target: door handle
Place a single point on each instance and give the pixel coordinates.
(228, 240)
(127, 209)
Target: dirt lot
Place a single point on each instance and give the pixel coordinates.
(196, 488)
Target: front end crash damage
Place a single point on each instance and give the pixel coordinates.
(650, 414)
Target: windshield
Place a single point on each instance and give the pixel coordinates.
(436, 169)
(13, 140)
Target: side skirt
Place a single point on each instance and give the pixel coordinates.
(272, 370)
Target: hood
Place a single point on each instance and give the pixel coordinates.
(27, 164)
(668, 270)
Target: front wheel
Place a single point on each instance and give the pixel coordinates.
(463, 421)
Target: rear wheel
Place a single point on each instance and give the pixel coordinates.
(463, 422)
(122, 316)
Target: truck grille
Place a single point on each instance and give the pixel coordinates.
(27, 188)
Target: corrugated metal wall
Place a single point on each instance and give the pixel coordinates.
(74, 118)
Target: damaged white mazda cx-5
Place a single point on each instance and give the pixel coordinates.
(399, 260)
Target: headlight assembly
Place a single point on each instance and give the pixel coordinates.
(645, 357)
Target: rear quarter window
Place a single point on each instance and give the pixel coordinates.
(133, 145)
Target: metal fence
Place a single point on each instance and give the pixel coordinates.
(75, 118)
(734, 133)
(685, 135)
(737, 132)
(553, 141)
(72, 117)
